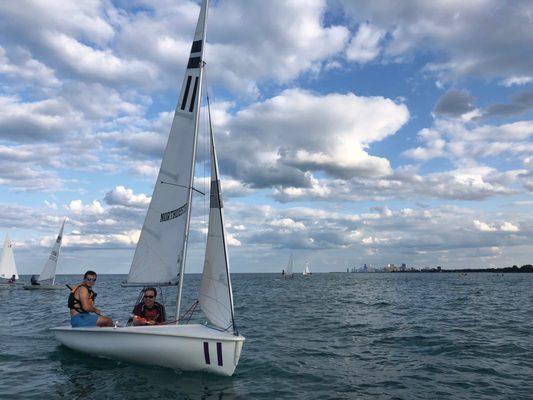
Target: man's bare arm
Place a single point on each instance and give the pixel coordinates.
(85, 302)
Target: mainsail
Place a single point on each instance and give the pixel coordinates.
(49, 270)
(216, 298)
(289, 266)
(160, 254)
(8, 268)
(307, 271)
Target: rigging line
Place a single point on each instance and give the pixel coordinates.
(183, 186)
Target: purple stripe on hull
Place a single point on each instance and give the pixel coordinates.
(206, 353)
(219, 353)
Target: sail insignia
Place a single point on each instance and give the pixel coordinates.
(174, 213)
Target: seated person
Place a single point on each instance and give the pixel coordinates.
(83, 313)
(149, 311)
(34, 281)
(13, 279)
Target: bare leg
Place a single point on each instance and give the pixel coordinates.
(104, 321)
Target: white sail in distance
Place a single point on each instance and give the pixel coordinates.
(161, 250)
(307, 271)
(8, 268)
(49, 270)
(216, 296)
(289, 266)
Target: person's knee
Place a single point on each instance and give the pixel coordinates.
(104, 321)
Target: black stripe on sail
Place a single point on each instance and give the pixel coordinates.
(219, 353)
(191, 107)
(196, 46)
(215, 200)
(206, 353)
(194, 62)
(187, 87)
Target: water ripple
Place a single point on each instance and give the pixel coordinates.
(338, 336)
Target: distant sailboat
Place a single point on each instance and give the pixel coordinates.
(47, 278)
(306, 271)
(160, 256)
(8, 268)
(289, 272)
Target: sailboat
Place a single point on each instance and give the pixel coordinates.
(306, 271)
(160, 256)
(8, 268)
(289, 272)
(47, 278)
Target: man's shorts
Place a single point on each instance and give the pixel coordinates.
(83, 320)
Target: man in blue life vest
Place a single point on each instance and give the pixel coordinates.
(149, 311)
(83, 313)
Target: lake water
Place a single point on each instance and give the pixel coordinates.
(327, 336)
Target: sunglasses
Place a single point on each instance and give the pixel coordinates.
(148, 296)
(90, 279)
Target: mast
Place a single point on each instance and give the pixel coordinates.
(195, 61)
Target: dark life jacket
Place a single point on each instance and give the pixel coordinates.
(75, 304)
(156, 313)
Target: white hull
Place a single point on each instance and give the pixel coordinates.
(44, 287)
(182, 347)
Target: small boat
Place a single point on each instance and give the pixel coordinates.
(8, 268)
(160, 256)
(306, 270)
(47, 277)
(289, 272)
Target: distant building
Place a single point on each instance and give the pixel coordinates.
(391, 268)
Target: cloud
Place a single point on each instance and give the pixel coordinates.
(28, 121)
(455, 103)
(25, 68)
(280, 140)
(483, 227)
(459, 142)
(509, 227)
(104, 43)
(461, 36)
(364, 46)
(519, 104)
(466, 183)
(30, 168)
(100, 65)
(451, 236)
(517, 80)
(77, 207)
(267, 40)
(123, 196)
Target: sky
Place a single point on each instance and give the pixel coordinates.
(348, 132)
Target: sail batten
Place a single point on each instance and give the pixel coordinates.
(161, 250)
(49, 270)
